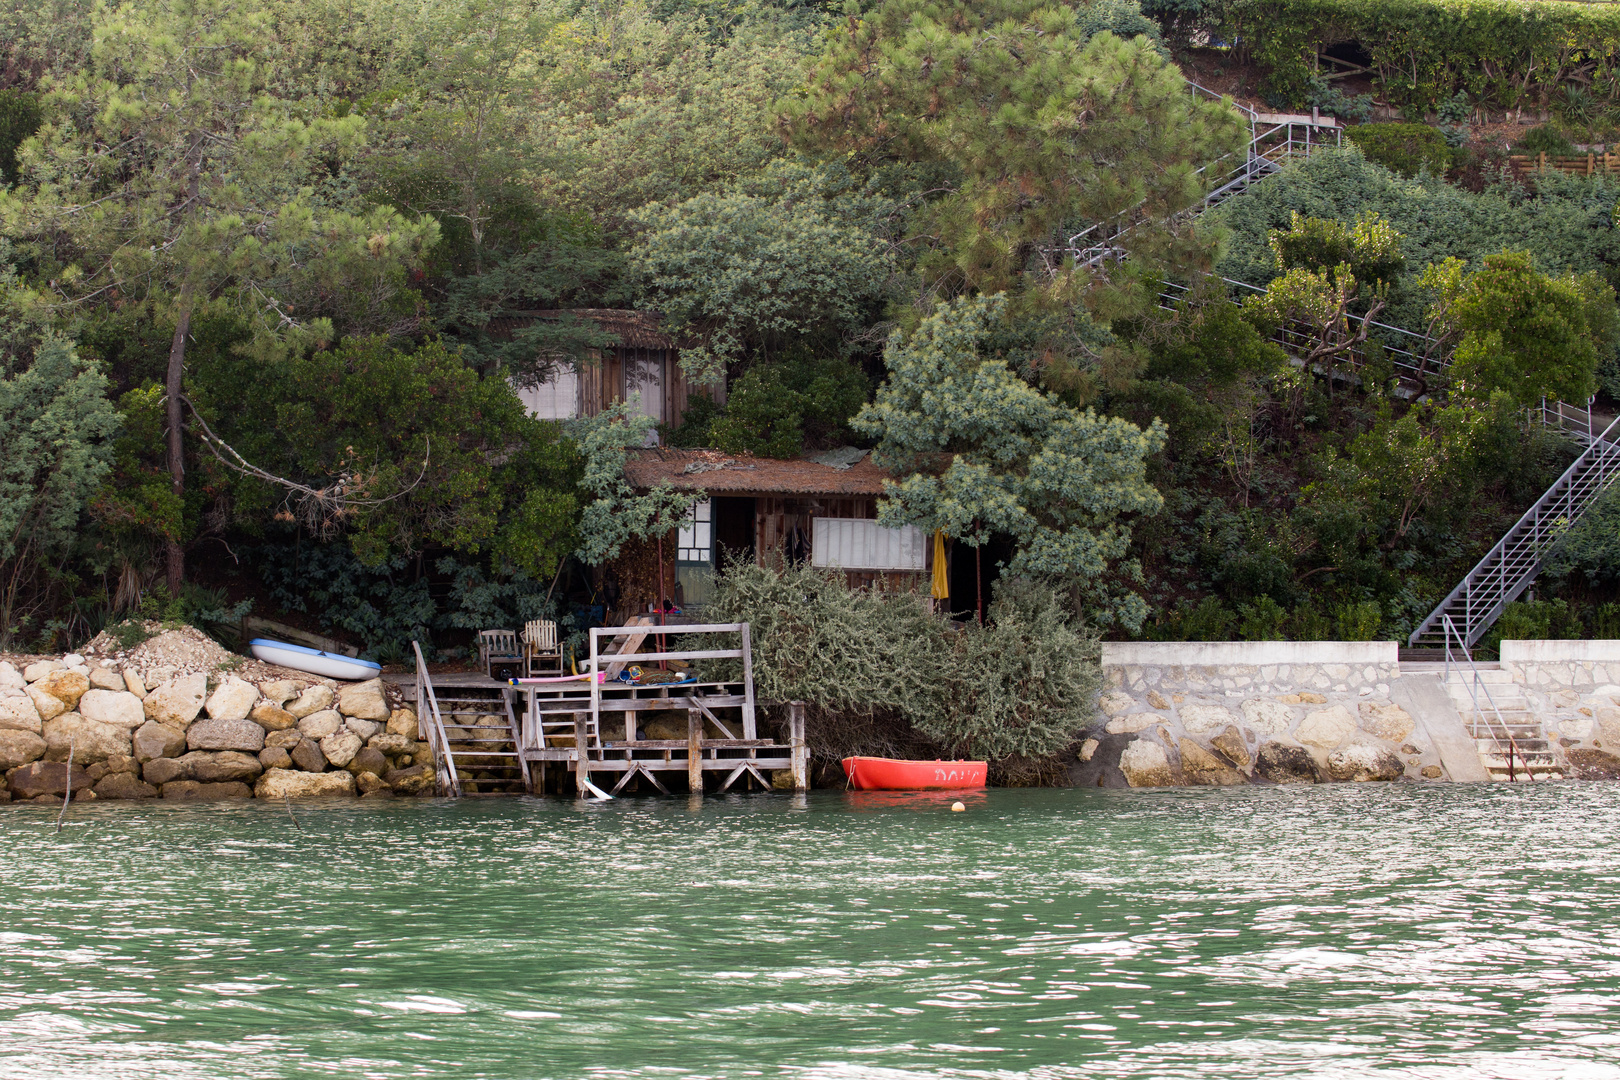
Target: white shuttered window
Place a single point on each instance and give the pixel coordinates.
(861, 544)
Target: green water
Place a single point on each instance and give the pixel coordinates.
(1346, 931)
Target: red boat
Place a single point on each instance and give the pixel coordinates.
(889, 774)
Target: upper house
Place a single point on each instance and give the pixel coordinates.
(645, 364)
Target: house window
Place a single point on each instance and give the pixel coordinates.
(862, 544)
(694, 555)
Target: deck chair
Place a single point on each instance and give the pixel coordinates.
(499, 655)
(541, 653)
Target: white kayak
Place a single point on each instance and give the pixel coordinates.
(313, 661)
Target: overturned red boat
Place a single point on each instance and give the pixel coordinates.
(890, 774)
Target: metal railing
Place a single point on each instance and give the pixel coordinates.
(1500, 734)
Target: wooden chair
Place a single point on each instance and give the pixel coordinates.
(541, 653)
(498, 653)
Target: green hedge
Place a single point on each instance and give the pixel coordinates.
(1403, 148)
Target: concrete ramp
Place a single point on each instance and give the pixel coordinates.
(1437, 717)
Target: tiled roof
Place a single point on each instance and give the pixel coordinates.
(739, 474)
(634, 329)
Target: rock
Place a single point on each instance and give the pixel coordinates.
(118, 708)
(286, 740)
(223, 765)
(1576, 729)
(19, 748)
(162, 771)
(1385, 720)
(1285, 763)
(1303, 698)
(178, 701)
(134, 683)
(307, 756)
(283, 784)
(389, 744)
(65, 686)
(72, 660)
(320, 725)
(10, 677)
(243, 735)
(1157, 700)
(313, 700)
(365, 701)
(341, 748)
(123, 785)
(1201, 718)
(1363, 759)
(47, 705)
(193, 791)
(155, 740)
(102, 679)
(233, 700)
(273, 717)
(1144, 764)
(1130, 725)
(1326, 728)
(1583, 765)
(1229, 744)
(367, 760)
(402, 722)
(274, 757)
(1268, 717)
(1088, 749)
(411, 781)
(39, 669)
(279, 692)
(1430, 772)
(44, 778)
(88, 740)
(1115, 702)
(368, 782)
(20, 714)
(1200, 766)
(363, 728)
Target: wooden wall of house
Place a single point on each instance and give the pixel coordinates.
(777, 516)
(603, 381)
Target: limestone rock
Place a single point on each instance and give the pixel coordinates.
(1202, 767)
(284, 784)
(161, 771)
(1115, 702)
(313, 700)
(118, 708)
(65, 686)
(233, 700)
(155, 740)
(89, 740)
(1145, 765)
(223, 765)
(1384, 720)
(281, 691)
(1088, 749)
(274, 757)
(367, 760)
(389, 744)
(365, 701)
(39, 669)
(341, 747)
(369, 782)
(123, 785)
(102, 679)
(1229, 745)
(1431, 772)
(411, 781)
(47, 705)
(1363, 759)
(1130, 725)
(307, 756)
(1268, 717)
(19, 714)
(243, 735)
(363, 728)
(320, 725)
(134, 683)
(195, 791)
(1199, 719)
(44, 778)
(1609, 726)
(1157, 700)
(178, 701)
(1303, 698)
(403, 722)
(1285, 763)
(19, 748)
(273, 717)
(10, 677)
(286, 740)
(1574, 729)
(1326, 728)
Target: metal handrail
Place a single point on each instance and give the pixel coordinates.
(438, 741)
(1477, 684)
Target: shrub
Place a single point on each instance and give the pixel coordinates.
(776, 408)
(1544, 140)
(1404, 148)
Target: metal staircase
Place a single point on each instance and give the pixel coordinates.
(1507, 734)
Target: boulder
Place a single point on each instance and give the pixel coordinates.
(1386, 720)
(118, 708)
(274, 757)
(285, 740)
(194, 791)
(369, 782)
(102, 679)
(134, 683)
(88, 740)
(280, 691)
(20, 714)
(1116, 702)
(341, 747)
(233, 700)
(211, 734)
(411, 781)
(39, 669)
(313, 700)
(363, 728)
(1267, 717)
(123, 785)
(367, 760)
(1144, 764)
(1088, 749)
(10, 677)
(47, 705)
(178, 701)
(390, 744)
(1431, 772)
(1326, 728)
(155, 740)
(1363, 759)
(402, 722)
(44, 778)
(1229, 744)
(64, 685)
(273, 717)
(214, 766)
(1199, 719)
(320, 725)
(307, 756)
(1285, 763)
(19, 748)
(283, 784)
(162, 771)
(1202, 767)
(364, 701)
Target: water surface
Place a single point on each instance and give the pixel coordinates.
(1433, 931)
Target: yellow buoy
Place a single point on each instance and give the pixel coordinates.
(955, 806)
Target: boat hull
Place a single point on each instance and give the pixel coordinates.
(314, 661)
(891, 774)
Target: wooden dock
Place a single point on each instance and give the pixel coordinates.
(695, 736)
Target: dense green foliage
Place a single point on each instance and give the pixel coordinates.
(1404, 148)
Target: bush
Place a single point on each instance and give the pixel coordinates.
(1403, 148)
(775, 409)
(1544, 140)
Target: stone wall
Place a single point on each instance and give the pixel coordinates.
(1573, 687)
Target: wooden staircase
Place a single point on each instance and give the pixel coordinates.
(481, 741)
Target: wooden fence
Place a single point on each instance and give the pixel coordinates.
(1584, 165)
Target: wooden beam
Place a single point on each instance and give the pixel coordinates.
(694, 751)
(800, 752)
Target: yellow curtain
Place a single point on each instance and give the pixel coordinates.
(942, 579)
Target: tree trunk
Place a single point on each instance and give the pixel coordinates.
(177, 461)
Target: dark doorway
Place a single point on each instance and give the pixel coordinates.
(733, 530)
(964, 590)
